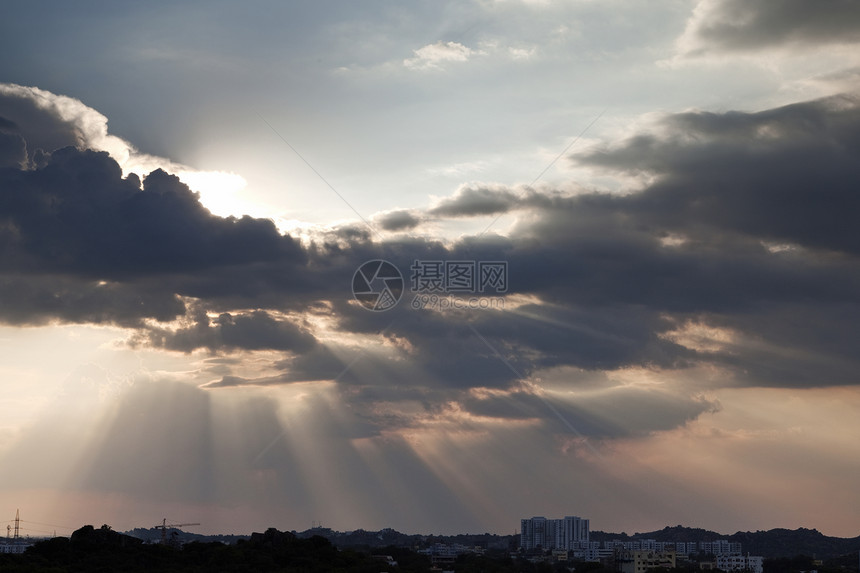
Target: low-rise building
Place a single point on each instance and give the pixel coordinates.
(641, 560)
(739, 562)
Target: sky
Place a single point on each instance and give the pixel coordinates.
(621, 279)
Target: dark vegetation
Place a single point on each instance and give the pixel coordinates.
(104, 550)
(388, 537)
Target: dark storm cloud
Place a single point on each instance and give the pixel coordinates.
(494, 348)
(741, 25)
(597, 256)
(474, 201)
(7, 124)
(32, 299)
(787, 175)
(13, 150)
(443, 350)
(78, 219)
(320, 363)
(257, 330)
(798, 345)
(399, 220)
(747, 225)
(382, 394)
(616, 412)
(78, 215)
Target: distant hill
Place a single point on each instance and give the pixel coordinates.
(153, 535)
(89, 538)
(390, 537)
(769, 544)
(787, 543)
(677, 533)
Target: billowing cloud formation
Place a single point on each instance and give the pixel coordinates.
(615, 413)
(434, 56)
(782, 175)
(398, 220)
(257, 330)
(740, 255)
(53, 121)
(733, 25)
(13, 150)
(76, 217)
(474, 201)
(49, 121)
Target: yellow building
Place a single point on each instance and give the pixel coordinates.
(641, 560)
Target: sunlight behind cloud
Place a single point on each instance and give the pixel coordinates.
(219, 192)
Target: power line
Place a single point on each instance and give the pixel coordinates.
(48, 524)
(551, 163)
(318, 174)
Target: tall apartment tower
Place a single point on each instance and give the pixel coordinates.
(574, 531)
(533, 533)
(566, 533)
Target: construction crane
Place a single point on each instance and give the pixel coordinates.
(164, 525)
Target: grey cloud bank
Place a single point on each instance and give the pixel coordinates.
(746, 225)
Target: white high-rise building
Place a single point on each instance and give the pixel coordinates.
(568, 533)
(533, 533)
